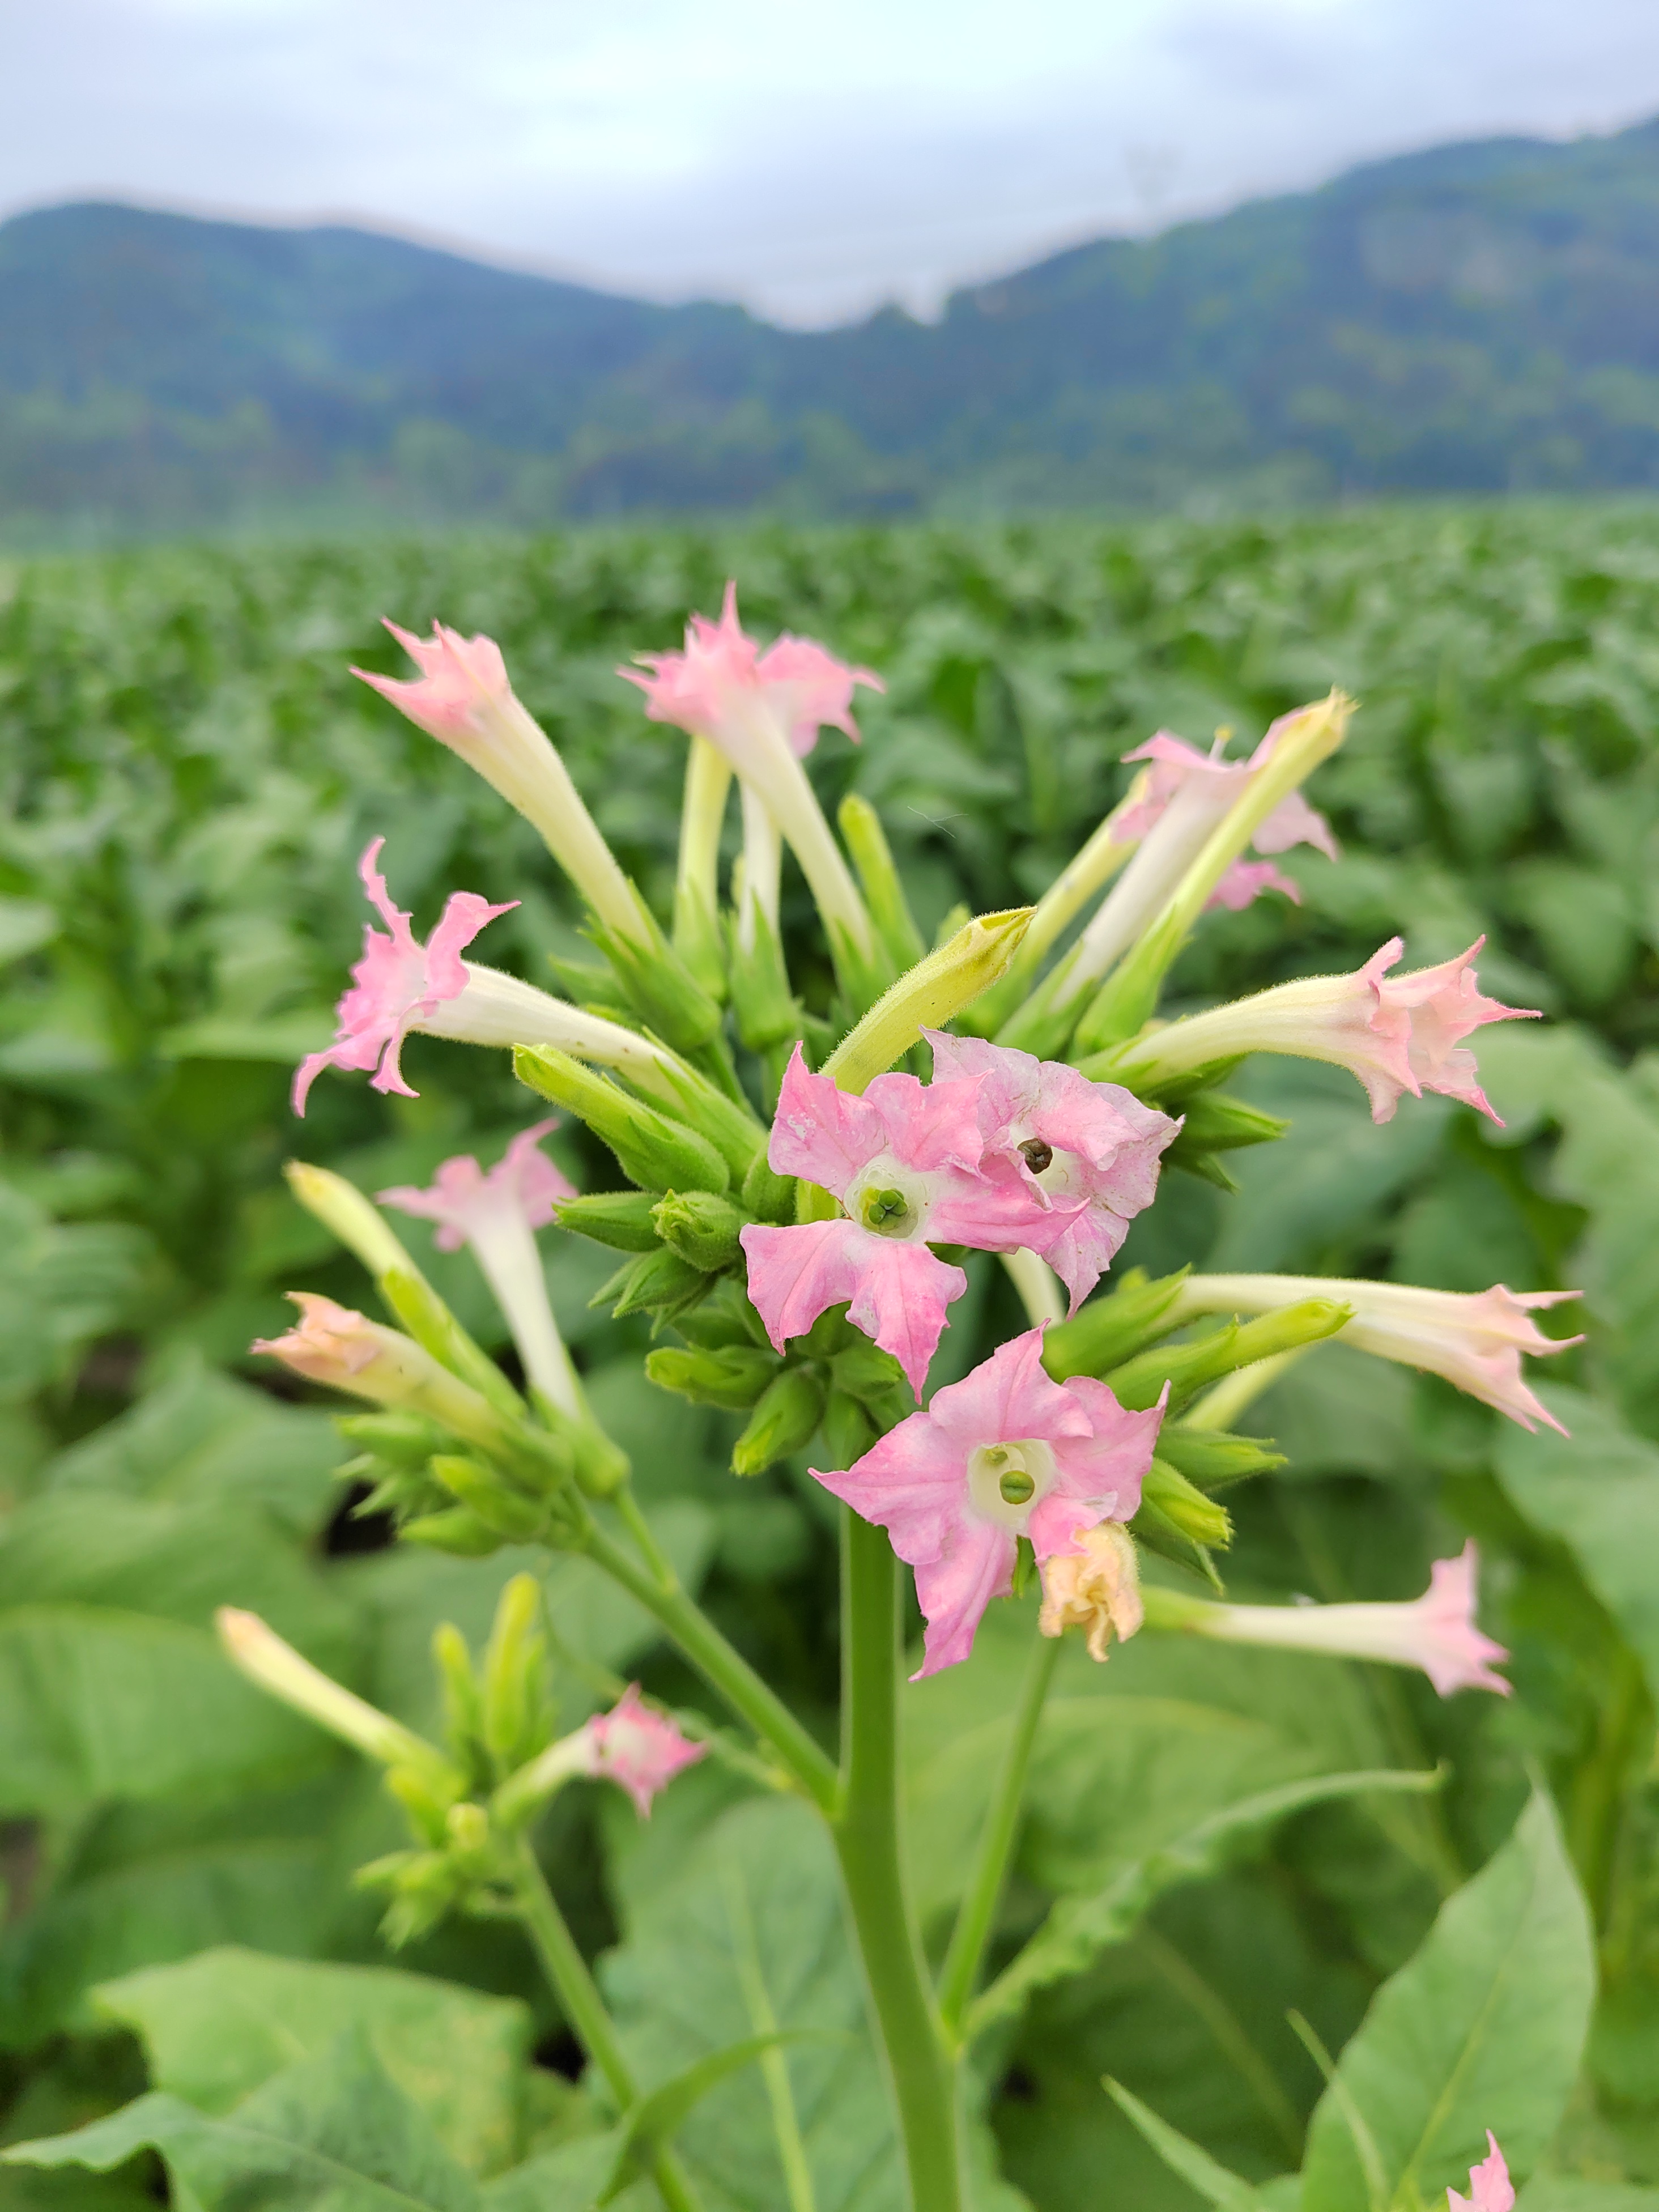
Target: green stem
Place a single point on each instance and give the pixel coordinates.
(584, 2009)
(866, 1833)
(979, 1905)
(658, 1588)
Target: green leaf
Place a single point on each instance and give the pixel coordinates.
(1597, 1489)
(573, 2178)
(96, 1704)
(331, 2135)
(1569, 2193)
(1482, 2029)
(1079, 1929)
(215, 2026)
(652, 2124)
(1196, 2167)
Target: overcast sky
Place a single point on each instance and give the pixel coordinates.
(812, 160)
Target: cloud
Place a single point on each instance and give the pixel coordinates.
(810, 163)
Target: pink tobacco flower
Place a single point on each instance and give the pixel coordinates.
(1244, 882)
(397, 984)
(724, 688)
(462, 686)
(1175, 764)
(1475, 1338)
(904, 1160)
(1087, 1152)
(1397, 1034)
(463, 1198)
(1490, 2188)
(1006, 1453)
(1436, 1632)
(638, 1749)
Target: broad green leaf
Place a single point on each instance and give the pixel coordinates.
(202, 1436)
(1483, 2029)
(652, 2124)
(572, 2178)
(215, 2026)
(1597, 1489)
(1079, 1928)
(96, 1704)
(1566, 2192)
(331, 2135)
(149, 1883)
(1202, 2173)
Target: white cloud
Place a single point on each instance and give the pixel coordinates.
(812, 162)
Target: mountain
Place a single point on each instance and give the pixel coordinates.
(1478, 319)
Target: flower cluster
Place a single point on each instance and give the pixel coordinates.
(1000, 1152)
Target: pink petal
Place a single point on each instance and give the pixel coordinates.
(912, 1482)
(1245, 881)
(902, 1293)
(1450, 1649)
(954, 1591)
(459, 677)
(639, 1749)
(1009, 1395)
(820, 1131)
(896, 1292)
(1489, 2187)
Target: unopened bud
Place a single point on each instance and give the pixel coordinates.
(1184, 1507)
(468, 1828)
(927, 996)
(620, 1218)
(701, 1227)
(884, 891)
(849, 1431)
(514, 1518)
(651, 1150)
(511, 1687)
(463, 1710)
(767, 1194)
(1185, 1368)
(785, 1418)
(1211, 1457)
(456, 1530)
(281, 1671)
(732, 1376)
(1111, 1330)
(405, 1439)
(657, 1282)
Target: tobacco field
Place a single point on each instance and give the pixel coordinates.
(189, 773)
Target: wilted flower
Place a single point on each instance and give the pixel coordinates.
(1436, 1632)
(904, 1160)
(638, 1749)
(1096, 1588)
(1475, 1339)
(1397, 1034)
(1004, 1453)
(1088, 1151)
(497, 1215)
(397, 984)
(1490, 2188)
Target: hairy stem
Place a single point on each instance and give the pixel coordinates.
(584, 2009)
(866, 1833)
(979, 1905)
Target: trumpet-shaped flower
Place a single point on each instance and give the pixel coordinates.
(1436, 1632)
(1096, 1589)
(638, 1749)
(1004, 1454)
(1475, 1339)
(904, 1159)
(1397, 1034)
(334, 1345)
(497, 1214)
(1087, 1151)
(463, 698)
(764, 712)
(1489, 2187)
(397, 983)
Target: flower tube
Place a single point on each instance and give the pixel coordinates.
(1397, 1034)
(1004, 1454)
(259, 1652)
(1475, 1340)
(335, 1346)
(463, 698)
(1436, 1632)
(497, 1215)
(763, 711)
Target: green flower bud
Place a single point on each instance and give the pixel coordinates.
(513, 1516)
(785, 1419)
(864, 1371)
(1187, 1367)
(657, 982)
(463, 1708)
(455, 1530)
(1109, 1329)
(733, 1376)
(620, 1218)
(701, 1227)
(927, 996)
(657, 1282)
(884, 891)
(849, 1431)
(768, 1196)
(1184, 1507)
(514, 1697)
(725, 1316)
(404, 1438)
(1211, 1457)
(651, 1150)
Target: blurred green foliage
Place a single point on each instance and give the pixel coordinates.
(190, 774)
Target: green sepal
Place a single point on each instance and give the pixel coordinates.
(455, 1530)
(785, 1419)
(656, 982)
(864, 1371)
(511, 1517)
(883, 887)
(1184, 1506)
(590, 984)
(619, 1218)
(702, 1227)
(849, 1431)
(766, 1009)
(1153, 1528)
(394, 1434)
(651, 1150)
(1110, 1330)
(731, 1377)
(516, 1718)
(718, 1112)
(1211, 1457)
(1213, 1122)
(659, 1282)
(724, 1317)
(463, 1708)
(1187, 1367)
